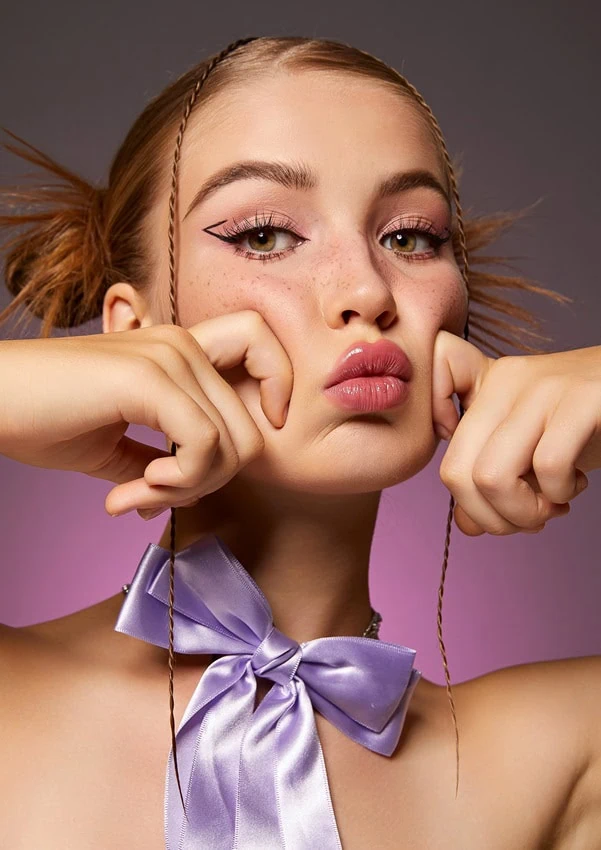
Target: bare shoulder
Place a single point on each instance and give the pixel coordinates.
(69, 627)
(16, 645)
(545, 719)
(10, 640)
(564, 695)
(35, 656)
(23, 663)
(78, 655)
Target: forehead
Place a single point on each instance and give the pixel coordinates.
(345, 126)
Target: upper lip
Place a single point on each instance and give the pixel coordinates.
(370, 358)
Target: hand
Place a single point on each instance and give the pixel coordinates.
(68, 401)
(531, 429)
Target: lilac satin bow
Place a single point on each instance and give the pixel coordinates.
(257, 779)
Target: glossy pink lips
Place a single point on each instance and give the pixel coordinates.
(370, 377)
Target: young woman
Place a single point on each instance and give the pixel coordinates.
(283, 272)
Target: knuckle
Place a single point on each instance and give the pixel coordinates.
(145, 369)
(211, 433)
(252, 450)
(232, 460)
(535, 528)
(175, 362)
(511, 364)
(487, 478)
(173, 340)
(187, 344)
(546, 385)
(254, 320)
(549, 464)
(255, 447)
(499, 528)
(164, 350)
(166, 332)
(532, 521)
(451, 475)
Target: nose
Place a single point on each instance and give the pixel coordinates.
(357, 288)
(277, 657)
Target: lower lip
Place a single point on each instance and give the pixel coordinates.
(368, 394)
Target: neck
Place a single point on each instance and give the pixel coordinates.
(308, 553)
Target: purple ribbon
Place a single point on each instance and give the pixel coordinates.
(257, 779)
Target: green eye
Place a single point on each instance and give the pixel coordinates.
(404, 239)
(261, 237)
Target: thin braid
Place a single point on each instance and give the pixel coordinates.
(465, 272)
(449, 524)
(173, 303)
(172, 296)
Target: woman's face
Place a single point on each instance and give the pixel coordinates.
(330, 271)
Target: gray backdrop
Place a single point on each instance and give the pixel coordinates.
(515, 89)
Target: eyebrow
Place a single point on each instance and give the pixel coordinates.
(299, 176)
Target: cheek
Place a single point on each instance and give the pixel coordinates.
(453, 302)
(430, 307)
(285, 309)
(210, 294)
(437, 305)
(286, 306)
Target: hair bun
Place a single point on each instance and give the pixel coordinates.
(57, 264)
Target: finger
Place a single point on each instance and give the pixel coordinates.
(190, 366)
(456, 469)
(181, 358)
(458, 367)
(568, 432)
(501, 469)
(465, 523)
(245, 338)
(183, 421)
(472, 529)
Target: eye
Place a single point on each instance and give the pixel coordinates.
(259, 239)
(265, 240)
(404, 240)
(268, 238)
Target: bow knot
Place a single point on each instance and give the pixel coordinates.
(277, 657)
(256, 778)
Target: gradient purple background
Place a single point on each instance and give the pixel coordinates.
(515, 89)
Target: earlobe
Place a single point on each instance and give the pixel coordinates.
(124, 309)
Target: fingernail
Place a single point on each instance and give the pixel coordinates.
(151, 514)
(533, 530)
(442, 432)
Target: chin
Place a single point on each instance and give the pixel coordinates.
(342, 464)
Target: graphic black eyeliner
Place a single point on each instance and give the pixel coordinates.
(416, 225)
(217, 235)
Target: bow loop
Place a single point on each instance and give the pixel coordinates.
(336, 669)
(257, 778)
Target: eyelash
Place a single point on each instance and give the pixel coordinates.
(238, 230)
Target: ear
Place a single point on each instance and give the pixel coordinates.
(124, 309)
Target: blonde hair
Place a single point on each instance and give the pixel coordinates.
(80, 239)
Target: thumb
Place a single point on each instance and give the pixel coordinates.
(458, 367)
